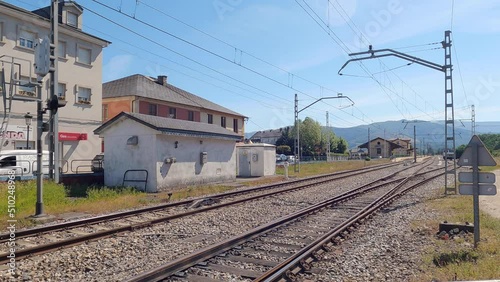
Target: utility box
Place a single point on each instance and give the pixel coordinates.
(203, 157)
(255, 159)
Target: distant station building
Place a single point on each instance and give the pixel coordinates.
(156, 153)
(380, 148)
(269, 136)
(406, 149)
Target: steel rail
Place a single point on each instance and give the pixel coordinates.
(164, 271)
(44, 248)
(121, 215)
(301, 260)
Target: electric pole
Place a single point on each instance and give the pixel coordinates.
(297, 123)
(449, 117)
(328, 137)
(369, 143)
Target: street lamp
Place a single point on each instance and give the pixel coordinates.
(27, 118)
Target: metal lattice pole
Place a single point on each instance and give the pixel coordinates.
(449, 129)
(449, 112)
(297, 150)
(328, 137)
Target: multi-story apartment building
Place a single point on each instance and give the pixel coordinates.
(80, 58)
(154, 96)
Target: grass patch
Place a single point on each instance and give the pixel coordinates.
(491, 168)
(59, 199)
(311, 169)
(457, 259)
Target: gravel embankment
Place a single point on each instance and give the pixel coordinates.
(118, 258)
(387, 248)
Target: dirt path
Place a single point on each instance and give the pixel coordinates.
(491, 204)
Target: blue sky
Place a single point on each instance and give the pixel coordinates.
(253, 56)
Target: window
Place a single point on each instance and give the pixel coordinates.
(72, 19)
(191, 115)
(172, 112)
(84, 56)
(8, 161)
(210, 118)
(26, 39)
(153, 109)
(83, 95)
(61, 91)
(223, 121)
(61, 49)
(235, 125)
(379, 151)
(104, 112)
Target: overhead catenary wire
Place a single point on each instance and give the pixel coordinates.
(201, 48)
(361, 119)
(293, 75)
(362, 35)
(253, 71)
(345, 48)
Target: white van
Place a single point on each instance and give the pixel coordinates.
(23, 162)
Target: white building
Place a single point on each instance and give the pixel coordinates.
(158, 153)
(256, 159)
(80, 80)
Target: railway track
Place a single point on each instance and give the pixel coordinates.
(281, 249)
(46, 239)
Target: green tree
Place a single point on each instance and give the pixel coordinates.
(310, 136)
(460, 150)
(492, 142)
(286, 139)
(341, 146)
(283, 149)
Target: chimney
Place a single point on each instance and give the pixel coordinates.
(162, 79)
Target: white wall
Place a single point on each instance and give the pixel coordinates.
(270, 160)
(120, 157)
(262, 165)
(187, 170)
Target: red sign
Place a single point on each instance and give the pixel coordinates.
(70, 136)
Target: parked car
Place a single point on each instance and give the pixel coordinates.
(22, 162)
(281, 158)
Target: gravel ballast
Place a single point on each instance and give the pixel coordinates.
(388, 254)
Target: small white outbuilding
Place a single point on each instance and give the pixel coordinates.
(156, 153)
(256, 159)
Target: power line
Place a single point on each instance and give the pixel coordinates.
(195, 45)
(179, 54)
(368, 41)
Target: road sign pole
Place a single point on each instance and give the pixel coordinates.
(475, 189)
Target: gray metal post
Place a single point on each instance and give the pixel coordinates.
(414, 143)
(473, 117)
(297, 143)
(449, 114)
(449, 108)
(369, 143)
(39, 177)
(54, 124)
(328, 136)
(475, 191)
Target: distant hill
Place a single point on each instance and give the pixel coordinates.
(431, 133)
